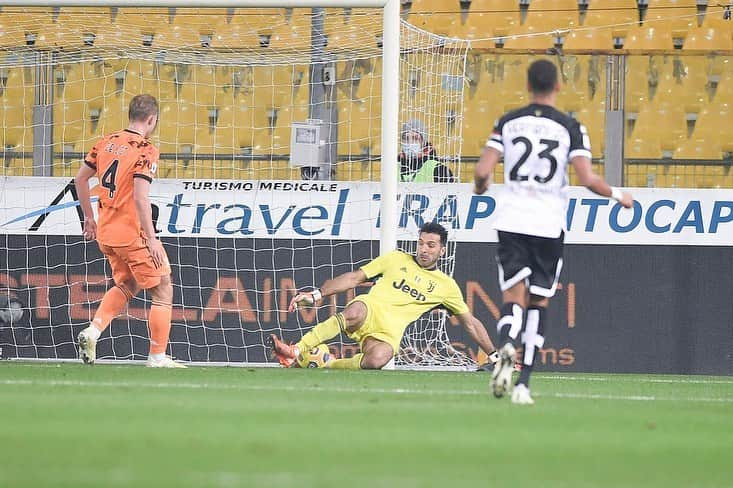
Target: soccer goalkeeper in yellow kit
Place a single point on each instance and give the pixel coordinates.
(409, 286)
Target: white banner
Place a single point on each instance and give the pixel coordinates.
(350, 211)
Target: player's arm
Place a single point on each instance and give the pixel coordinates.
(477, 331)
(346, 281)
(140, 194)
(341, 283)
(484, 169)
(596, 184)
(81, 182)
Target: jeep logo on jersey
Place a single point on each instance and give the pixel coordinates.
(413, 292)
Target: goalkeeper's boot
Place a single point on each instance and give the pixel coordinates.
(501, 377)
(521, 396)
(284, 353)
(87, 345)
(164, 362)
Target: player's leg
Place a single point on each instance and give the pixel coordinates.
(546, 268)
(350, 319)
(159, 322)
(112, 304)
(513, 262)
(157, 281)
(533, 338)
(375, 354)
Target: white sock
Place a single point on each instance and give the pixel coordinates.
(157, 356)
(94, 332)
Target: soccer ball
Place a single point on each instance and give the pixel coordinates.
(315, 358)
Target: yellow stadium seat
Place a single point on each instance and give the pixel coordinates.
(593, 118)
(649, 37)
(713, 124)
(644, 142)
(676, 15)
(19, 23)
(477, 126)
(359, 28)
(637, 82)
(137, 21)
(188, 25)
(611, 14)
(491, 18)
(724, 92)
(75, 23)
(588, 39)
(699, 149)
(707, 39)
(551, 15)
(437, 16)
(682, 82)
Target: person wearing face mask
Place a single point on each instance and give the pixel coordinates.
(418, 163)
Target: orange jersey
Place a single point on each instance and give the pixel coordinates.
(119, 158)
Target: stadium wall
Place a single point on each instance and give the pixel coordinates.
(642, 291)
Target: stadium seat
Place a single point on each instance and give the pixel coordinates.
(477, 126)
(607, 13)
(724, 91)
(19, 23)
(683, 83)
(655, 36)
(708, 38)
(587, 39)
(188, 25)
(490, 18)
(135, 22)
(644, 141)
(713, 127)
(74, 23)
(674, 15)
(552, 15)
(361, 27)
(508, 79)
(437, 16)
(698, 148)
(593, 118)
(637, 83)
(241, 30)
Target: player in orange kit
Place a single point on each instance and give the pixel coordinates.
(125, 163)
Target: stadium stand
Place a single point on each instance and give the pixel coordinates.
(676, 100)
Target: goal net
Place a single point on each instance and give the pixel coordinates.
(245, 222)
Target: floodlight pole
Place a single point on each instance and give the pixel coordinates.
(390, 76)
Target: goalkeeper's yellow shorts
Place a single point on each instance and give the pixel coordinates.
(377, 325)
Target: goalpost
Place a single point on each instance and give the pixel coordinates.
(243, 231)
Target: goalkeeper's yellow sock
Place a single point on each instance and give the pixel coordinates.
(326, 330)
(353, 362)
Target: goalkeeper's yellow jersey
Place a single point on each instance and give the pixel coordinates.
(405, 291)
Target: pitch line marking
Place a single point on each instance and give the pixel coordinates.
(392, 391)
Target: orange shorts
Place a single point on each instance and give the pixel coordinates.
(134, 261)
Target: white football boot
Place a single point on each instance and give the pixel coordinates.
(165, 362)
(501, 377)
(88, 345)
(520, 395)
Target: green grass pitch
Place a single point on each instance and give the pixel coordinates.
(127, 426)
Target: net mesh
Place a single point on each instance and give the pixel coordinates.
(230, 83)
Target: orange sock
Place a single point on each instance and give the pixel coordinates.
(159, 322)
(112, 303)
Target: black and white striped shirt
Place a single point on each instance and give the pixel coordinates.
(537, 141)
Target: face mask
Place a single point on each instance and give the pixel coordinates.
(411, 149)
